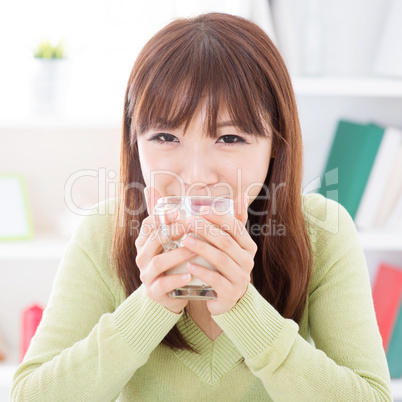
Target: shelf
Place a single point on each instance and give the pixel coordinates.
(42, 248)
(6, 374)
(303, 86)
(396, 388)
(61, 121)
(339, 86)
(381, 241)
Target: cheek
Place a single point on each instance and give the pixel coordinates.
(153, 166)
(254, 172)
(245, 174)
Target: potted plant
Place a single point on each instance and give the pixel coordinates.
(48, 76)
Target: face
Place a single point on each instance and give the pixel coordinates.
(193, 164)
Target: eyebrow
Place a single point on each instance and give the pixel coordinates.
(163, 126)
(226, 123)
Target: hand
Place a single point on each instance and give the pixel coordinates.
(231, 252)
(153, 264)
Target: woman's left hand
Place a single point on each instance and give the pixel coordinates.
(231, 252)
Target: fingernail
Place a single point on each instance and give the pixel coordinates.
(191, 267)
(171, 214)
(189, 240)
(205, 209)
(186, 276)
(245, 200)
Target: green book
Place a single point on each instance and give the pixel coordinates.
(394, 352)
(353, 152)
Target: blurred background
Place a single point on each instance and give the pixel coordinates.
(64, 67)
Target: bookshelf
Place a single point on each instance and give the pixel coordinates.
(322, 102)
(348, 87)
(62, 121)
(33, 254)
(30, 266)
(41, 248)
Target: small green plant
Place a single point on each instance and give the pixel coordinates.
(46, 51)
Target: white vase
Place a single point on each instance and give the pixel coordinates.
(48, 81)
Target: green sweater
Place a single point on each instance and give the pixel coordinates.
(96, 344)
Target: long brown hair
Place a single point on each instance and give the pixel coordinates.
(230, 60)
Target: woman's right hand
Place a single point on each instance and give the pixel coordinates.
(153, 263)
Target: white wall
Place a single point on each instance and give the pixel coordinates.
(48, 158)
(103, 39)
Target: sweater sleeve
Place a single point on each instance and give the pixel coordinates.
(347, 361)
(85, 348)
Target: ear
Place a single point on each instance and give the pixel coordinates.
(241, 208)
(152, 196)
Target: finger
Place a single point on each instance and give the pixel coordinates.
(150, 246)
(220, 284)
(220, 239)
(148, 228)
(166, 283)
(219, 259)
(162, 262)
(231, 225)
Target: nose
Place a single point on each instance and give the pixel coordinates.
(199, 170)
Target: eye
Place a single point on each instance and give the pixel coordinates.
(168, 138)
(233, 139)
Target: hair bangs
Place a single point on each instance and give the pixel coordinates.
(211, 71)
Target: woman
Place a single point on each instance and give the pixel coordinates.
(209, 110)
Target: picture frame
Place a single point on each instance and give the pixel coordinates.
(15, 215)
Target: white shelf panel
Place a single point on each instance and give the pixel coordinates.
(6, 374)
(42, 248)
(337, 86)
(381, 241)
(61, 121)
(396, 388)
(303, 86)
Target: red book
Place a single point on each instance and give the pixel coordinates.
(30, 320)
(387, 296)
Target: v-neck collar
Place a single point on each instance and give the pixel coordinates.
(215, 358)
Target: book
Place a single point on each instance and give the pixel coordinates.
(392, 192)
(31, 318)
(377, 181)
(388, 60)
(2, 348)
(387, 297)
(353, 152)
(394, 353)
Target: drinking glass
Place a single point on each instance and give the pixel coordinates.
(188, 206)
